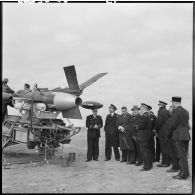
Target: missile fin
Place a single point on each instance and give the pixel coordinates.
(71, 77)
(72, 113)
(91, 80)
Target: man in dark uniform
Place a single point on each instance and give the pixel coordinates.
(171, 146)
(180, 133)
(157, 149)
(126, 143)
(152, 142)
(111, 134)
(144, 134)
(94, 123)
(134, 125)
(6, 89)
(160, 126)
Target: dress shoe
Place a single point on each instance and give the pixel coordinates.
(123, 161)
(178, 175)
(95, 159)
(117, 159)
(106, 159)
(172, 170)
(138, 163)
(181, 177)
(162, 165)
(145, 169)
(88, 160)
(130, 163)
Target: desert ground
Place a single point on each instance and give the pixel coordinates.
(85, 177)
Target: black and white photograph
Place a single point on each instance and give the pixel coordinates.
(97, 97)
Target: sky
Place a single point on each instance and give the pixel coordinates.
(145, 48)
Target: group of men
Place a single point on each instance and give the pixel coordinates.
(137, 133)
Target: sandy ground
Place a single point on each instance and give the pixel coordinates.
(86, 177)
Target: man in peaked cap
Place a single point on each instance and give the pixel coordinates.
(144, 134)
(111, 134)
(180, 133)
(160, 127)
(94, 123)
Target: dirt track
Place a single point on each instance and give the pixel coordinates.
(86, 177)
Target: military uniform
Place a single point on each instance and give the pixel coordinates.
(133, 129)
(111, 137)
(6, 89)
(157, 149)
(160, 126)
(93, 136)
(171, 149)
(126, 143)
(151, 141)
(179, 130)
(144, 134)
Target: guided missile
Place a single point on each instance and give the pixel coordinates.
(55, 100)
(64, 100)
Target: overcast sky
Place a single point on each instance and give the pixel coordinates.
(145, 48)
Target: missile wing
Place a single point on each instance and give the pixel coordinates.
(73, 113)
(91, 80)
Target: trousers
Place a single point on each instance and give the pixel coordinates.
(182, 149)
(92, 148)
(147, 156)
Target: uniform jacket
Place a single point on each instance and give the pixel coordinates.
(179, 124)
(7, 89)
(168, 133)
(125, 139)
(170, 147)
(144, 132)
(153, 121)
(160, 124)
(110, 124)
(111, 130)
(133, 124)
(90, 123)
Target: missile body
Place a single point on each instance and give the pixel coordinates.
(56, 100)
